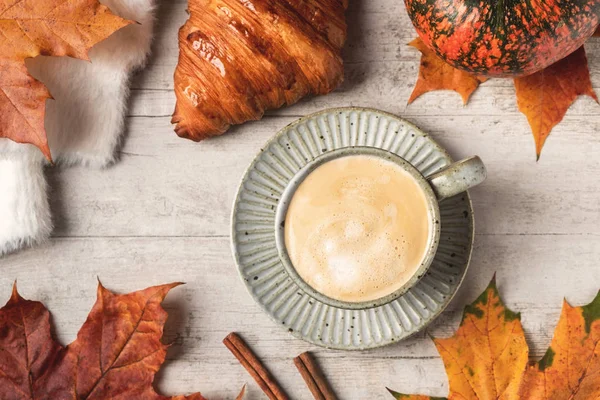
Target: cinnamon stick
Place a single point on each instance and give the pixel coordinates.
(255, 368)
(313, 377)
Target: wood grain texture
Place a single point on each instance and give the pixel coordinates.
(162, 215)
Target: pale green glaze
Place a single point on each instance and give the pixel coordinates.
(256, 224)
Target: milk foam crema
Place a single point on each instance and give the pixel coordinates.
(358, 228)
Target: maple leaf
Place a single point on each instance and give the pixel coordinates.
(435, 74)
(487, 357)
(117, 352)
(29, 28)
(545, 97)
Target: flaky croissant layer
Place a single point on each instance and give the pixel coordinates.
(239, 58)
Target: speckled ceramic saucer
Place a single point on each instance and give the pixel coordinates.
(254, 231)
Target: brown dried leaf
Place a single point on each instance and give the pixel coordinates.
(26, 347)
(117, 352)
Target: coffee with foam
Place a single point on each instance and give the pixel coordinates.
(358, 228)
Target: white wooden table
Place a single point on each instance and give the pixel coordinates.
(162, 214)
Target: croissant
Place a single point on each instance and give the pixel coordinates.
(239, 58)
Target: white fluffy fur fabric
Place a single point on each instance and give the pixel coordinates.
(84, 122)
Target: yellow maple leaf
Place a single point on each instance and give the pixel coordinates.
(487, 357)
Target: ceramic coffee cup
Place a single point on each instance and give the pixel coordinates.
(448, 182)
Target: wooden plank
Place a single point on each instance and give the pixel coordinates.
(534, 273)
(162, 214)
(386, 88)
(167, 186)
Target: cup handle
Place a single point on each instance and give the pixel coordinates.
(457, 178)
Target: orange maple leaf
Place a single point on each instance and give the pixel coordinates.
(545, 96)
(487, 357)
(435, 74)
(29, 28)
(117, 352)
